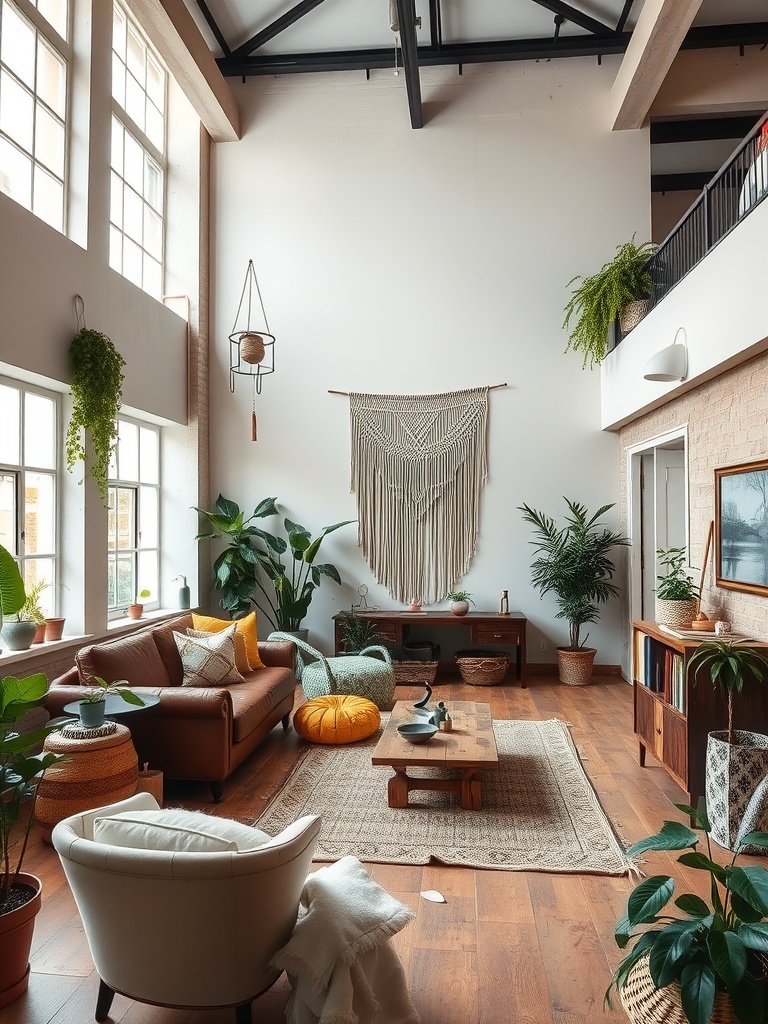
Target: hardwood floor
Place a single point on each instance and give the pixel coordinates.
(527, 947)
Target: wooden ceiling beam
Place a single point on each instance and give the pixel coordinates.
(658, 35)
(172, 31)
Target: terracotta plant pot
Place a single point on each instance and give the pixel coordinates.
(135, 611)
(16, 930)
(39, 633)
(54, 628)
(575, 667)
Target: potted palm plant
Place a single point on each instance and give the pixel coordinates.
(252, 563)
(20, 769)
(573, 563)
(677, 596)
(737, 759)
(619, 290)
(708, 964)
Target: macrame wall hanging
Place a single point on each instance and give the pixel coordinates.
(418, 468)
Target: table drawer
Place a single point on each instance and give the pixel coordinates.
(389, 630)
(503, 633)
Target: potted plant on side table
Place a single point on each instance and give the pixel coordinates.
(710, 964)
(93, 700)
(575, 566)
(737, 759)
(460, 601)
(20, 770)
(677, 596)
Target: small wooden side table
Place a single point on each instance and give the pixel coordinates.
(99, 770)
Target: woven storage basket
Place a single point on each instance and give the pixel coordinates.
(646, 1004)
(415, 671)
(480, 668)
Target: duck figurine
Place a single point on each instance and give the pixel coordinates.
(425, 699)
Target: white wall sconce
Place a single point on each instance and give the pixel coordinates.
(670, 363)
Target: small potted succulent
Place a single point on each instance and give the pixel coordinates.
(677, 596)
(136, 610)
(460, 601)
(93, 700)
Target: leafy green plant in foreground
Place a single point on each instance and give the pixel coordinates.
(715, 947)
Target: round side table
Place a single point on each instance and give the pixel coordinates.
(100, 770)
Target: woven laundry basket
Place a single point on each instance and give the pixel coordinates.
(646, 1004)
(101, 770)
(415, 671)
(482, 668)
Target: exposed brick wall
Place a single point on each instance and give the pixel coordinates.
(727, 421)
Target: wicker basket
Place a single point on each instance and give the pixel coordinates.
(646, 1004)
(482, 668)
(415, 671)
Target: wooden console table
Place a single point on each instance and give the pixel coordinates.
(484, 629)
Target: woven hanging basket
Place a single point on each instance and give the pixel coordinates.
(251, 348)
(631, 315)
(415, 671)
(479, 669)
(646, 1004)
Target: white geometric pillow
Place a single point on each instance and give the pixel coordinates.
(208, 660)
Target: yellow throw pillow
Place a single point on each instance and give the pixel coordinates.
(246, 642)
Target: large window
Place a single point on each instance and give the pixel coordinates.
(138, 160)
(28, 458)
(134, 517)
(34, 61)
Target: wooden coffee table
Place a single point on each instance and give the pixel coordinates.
(469, 747)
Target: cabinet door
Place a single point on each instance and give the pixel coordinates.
(645, 708)
(675, 745)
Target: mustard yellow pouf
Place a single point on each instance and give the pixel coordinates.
(336, 718)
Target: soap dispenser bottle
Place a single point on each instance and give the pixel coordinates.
(183, 593)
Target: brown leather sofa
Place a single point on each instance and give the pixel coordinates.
(194, 732)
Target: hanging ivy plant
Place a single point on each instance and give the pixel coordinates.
(97, 392)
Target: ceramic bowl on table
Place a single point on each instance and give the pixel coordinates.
(417, 732)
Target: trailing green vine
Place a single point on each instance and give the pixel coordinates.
(97, 393)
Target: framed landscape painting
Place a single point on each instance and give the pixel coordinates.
(741, 527)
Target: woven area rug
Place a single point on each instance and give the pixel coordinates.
(539, 813)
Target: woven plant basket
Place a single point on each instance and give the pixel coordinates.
(575, 667)
(646, 1004)
(676, 613)
(415, 671)
(479, 669)
(631, 315)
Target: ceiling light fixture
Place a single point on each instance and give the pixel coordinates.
(670, 363)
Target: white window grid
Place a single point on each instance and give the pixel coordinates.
(34, 110)
(30, 481)
(138, 557)
(138, 161)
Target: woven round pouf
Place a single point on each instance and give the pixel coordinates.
(101, 769)
(337, 718)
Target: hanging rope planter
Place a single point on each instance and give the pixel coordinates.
(251, 349)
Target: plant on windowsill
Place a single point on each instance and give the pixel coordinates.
(12, 594)
(21, 631)
(573, 564)
(709, 964)
(460, 601)
(620, 289)
(677, 596)
(21, 766)
(136, 609)
(93, 700)
(97, 393)
(252, 562)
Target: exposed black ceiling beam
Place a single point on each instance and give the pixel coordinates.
(691, 181)
(482, 53)
(211, 22)
(276, 27)
(406, 16)
(625, 12)
(703, 129)
(576, 17)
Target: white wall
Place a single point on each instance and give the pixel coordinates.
(393, 260)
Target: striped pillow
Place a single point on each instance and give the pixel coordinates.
(208, 660)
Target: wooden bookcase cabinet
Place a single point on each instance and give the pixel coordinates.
(678, 739)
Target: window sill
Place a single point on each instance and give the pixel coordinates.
(126, 625)
(46, 651)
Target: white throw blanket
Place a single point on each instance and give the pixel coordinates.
(342, 968)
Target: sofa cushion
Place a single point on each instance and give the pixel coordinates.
(177, 830)
(246, 638)
(208, 659)
(254, 701)
(134, 658)
(166, 646)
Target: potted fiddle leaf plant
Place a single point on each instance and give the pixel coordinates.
(12, 593)
(21, 766)
(737, 759)
(620, 289)
(707, 963)
(93, 700)
(574, 564)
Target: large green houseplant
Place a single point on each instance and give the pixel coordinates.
(20, 769)
(12, 594)
(598, 300)
(713, 956)
(97, 392)
(574, 564)
(252, 562)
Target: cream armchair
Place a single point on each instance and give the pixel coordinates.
(191, 930)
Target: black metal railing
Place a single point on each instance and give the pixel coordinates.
(730, 196)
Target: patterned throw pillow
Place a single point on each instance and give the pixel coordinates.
(246, 640)
(208, 660)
